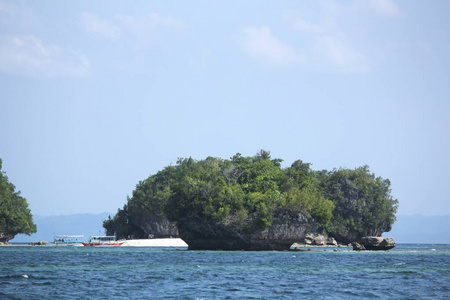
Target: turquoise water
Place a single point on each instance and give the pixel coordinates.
(406, 272)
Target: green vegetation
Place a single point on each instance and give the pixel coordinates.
(15, 217)
(363, 201)
(247, 193)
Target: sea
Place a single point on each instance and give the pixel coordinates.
(409, 271)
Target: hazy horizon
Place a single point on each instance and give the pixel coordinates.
(407, 228)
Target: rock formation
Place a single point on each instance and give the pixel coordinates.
(5, 237)
(286, 229)
(40, 243)
(347, 237)
(157, 226)
(252, 203)
(331, 242)
(377, 243)
(357, 246)
(374, 243)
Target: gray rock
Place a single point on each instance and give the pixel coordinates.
(320, 240)
(6, 237)
(377, 243)
(331, 242)
(296, 246)
(357, 246)
(40, 243)
(315, 239)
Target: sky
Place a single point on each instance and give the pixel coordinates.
(98, 95)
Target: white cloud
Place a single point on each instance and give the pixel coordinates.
(98, 26)
(301, 25)
(323, 43)
(141, 26)
(29, 55)
(16, 16)
(385, 8)
(340, 54)
(124, 24)
(262, 45)
(333, 42)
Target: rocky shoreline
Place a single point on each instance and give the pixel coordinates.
(287, 232)
(311, 242)
(365, 243)
(374, 243)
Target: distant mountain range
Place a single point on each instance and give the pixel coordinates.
(421, 229)
(407, 228)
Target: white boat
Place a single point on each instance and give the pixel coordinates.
(175, 243)
(67, 240)
(103, 241)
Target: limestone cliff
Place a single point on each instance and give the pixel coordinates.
(203, 234)
(157, 226)
(5, 237)
(346, 238)
(287, 229)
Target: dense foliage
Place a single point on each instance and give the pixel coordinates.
(246, 192)
(363, 201)
(15, 217)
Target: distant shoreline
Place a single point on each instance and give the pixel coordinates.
(302, 248)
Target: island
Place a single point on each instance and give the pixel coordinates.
(252, 203)
(15, 216)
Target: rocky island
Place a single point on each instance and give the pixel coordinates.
(252, 203)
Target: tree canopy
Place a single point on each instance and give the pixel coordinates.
(15, 216)
(363, 201)
(248, 191)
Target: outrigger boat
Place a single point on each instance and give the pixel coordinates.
(67, 240)
(103, 241)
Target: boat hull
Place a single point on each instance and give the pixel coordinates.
(65, 245)
(103, 244)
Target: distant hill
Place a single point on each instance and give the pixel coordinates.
(407, 228)
(421, 229)
(49, 226)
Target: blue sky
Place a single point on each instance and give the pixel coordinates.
(97, 95)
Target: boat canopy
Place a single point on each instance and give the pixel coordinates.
(102, 238)
(67, 239)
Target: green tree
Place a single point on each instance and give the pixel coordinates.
(15, 216)
(364, 205)
(121, 225)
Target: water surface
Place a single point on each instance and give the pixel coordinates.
(406, 272)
